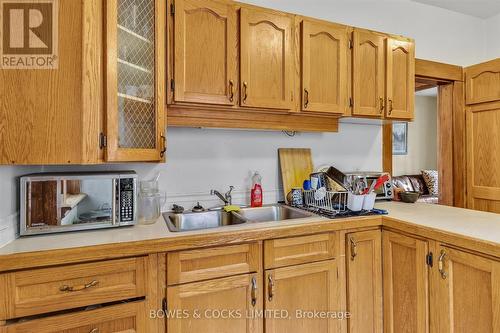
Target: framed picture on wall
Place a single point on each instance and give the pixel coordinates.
(399, 138)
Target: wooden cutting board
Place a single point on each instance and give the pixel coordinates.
(296, 166)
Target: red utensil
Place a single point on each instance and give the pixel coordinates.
(375, 185)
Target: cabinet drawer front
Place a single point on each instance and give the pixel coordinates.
(124, 318)
(64, 287)
(205, 264)
(298, 250)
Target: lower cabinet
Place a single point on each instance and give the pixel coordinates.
(215, 306)
(127, 317)
(467, 293)
(364, 281)
(294, 294)
(406, 284)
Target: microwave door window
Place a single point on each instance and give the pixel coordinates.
(87, 201)
(42, 203)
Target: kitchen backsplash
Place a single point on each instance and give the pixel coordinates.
(199, 160)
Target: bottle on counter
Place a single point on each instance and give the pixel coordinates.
(256, 193)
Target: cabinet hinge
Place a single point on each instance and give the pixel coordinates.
(351, 102)
(350, 44)
(164, 305)
(103, 141)
(429, 259)
(172, 9)
(172, 85)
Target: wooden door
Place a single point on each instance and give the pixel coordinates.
(197, 307)
(406, 284)
(296, 289)
(135, 78)
(324, 67)
(483, 82)
(364, 281)
(400, 79)
(368, 74)
(483, 157)
(205, 52)
(467, 297)
(266, 59)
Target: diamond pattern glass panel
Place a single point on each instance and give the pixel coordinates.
(136, 79)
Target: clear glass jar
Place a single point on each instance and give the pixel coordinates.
(151, 200)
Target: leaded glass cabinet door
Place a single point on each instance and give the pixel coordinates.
(135, 46)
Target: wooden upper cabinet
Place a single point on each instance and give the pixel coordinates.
(324, 67)
(483, 157)
(406, 284)
(400, 80)
(205, 52)
(368, 74)
(467, 295)
(364, 281)
(483, 82)
(266, 59)
(309, 287)
(54, 116)
(135, 79)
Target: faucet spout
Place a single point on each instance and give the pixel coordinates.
(218, 194)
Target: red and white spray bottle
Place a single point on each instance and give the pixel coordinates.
(256, 193)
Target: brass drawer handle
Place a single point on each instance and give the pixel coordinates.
(442, 257)
(79, 288)
(270, 287)
(354, 248)
(94, 330)
(381, 104)
(254, 291)
(245, 94)
(306, 98)
(231, 90)
(390, 106)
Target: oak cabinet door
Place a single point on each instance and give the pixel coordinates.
(483, 157)
(266, 59)
(308, 287)
(196, 307)
(483, 82)
(468, 293)
(364, 281)
(406, 284)
(135, 96)
(324, 67)
(400, 79)
(205, 52)
(368, 74)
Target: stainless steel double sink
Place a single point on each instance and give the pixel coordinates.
(219, 218)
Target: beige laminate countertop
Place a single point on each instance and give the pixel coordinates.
(480, 226)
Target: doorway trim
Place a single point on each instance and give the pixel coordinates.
(451, 128)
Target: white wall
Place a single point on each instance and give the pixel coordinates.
(202, 159)
(422, 140)
(492, 28)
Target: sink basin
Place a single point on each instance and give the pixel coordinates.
(203, 220)
(272, 213)
(219, 218)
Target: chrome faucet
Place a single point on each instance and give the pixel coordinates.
(226, 198)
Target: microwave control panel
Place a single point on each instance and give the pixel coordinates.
(126, 199)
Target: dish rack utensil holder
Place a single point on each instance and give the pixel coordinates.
(335, 202)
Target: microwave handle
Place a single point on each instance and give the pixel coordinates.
(115, 201)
